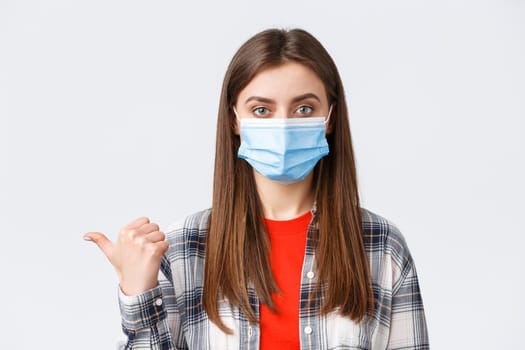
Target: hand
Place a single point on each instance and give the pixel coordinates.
(136, 254)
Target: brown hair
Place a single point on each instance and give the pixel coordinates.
(237, 245)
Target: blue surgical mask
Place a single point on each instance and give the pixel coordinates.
(283, 149)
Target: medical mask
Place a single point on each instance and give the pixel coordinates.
(283, 149)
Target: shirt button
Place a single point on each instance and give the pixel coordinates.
(158, 302)
(310, 274)
(308, 330)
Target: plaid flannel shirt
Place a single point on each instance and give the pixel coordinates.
(170, 316)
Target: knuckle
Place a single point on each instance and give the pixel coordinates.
(152, 250)
(162, 247)
(140, 241)
(122, 236)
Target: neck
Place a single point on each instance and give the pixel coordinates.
(284, 202)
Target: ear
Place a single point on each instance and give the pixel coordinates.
(329, 128)
(236, 127)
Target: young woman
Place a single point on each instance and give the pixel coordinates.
(286, 258)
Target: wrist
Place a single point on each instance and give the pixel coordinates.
(133, 289)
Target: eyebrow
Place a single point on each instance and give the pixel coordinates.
(296, 99)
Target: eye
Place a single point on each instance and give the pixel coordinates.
(304, 109)
(260, 111)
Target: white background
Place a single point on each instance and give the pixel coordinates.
(108, 112)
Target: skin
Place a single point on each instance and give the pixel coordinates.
(283, 86)
(290, 90)
(135, 255)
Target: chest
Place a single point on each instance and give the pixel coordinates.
(327, 332)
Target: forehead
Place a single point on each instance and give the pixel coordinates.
(284, 82)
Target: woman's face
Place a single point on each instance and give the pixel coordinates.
(290, 90)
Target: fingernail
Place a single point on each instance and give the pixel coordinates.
(87, 238)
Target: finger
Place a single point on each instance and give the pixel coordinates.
(156, 236)
(101, 241)
(137, 222)
(147, 228)
(162, 247)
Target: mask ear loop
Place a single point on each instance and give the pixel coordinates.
(236, 115)
(329, 114)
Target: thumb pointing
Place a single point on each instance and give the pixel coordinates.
(101, 241)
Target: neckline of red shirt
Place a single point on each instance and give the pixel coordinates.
(288, 227)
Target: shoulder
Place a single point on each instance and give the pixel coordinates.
(187, 241)
(187, 236)
(384, 241)
(194, 223)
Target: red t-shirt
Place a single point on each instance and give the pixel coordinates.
(288, 241)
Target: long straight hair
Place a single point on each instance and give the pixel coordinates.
(237, 245)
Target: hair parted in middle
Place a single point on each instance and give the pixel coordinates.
(237, 244)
